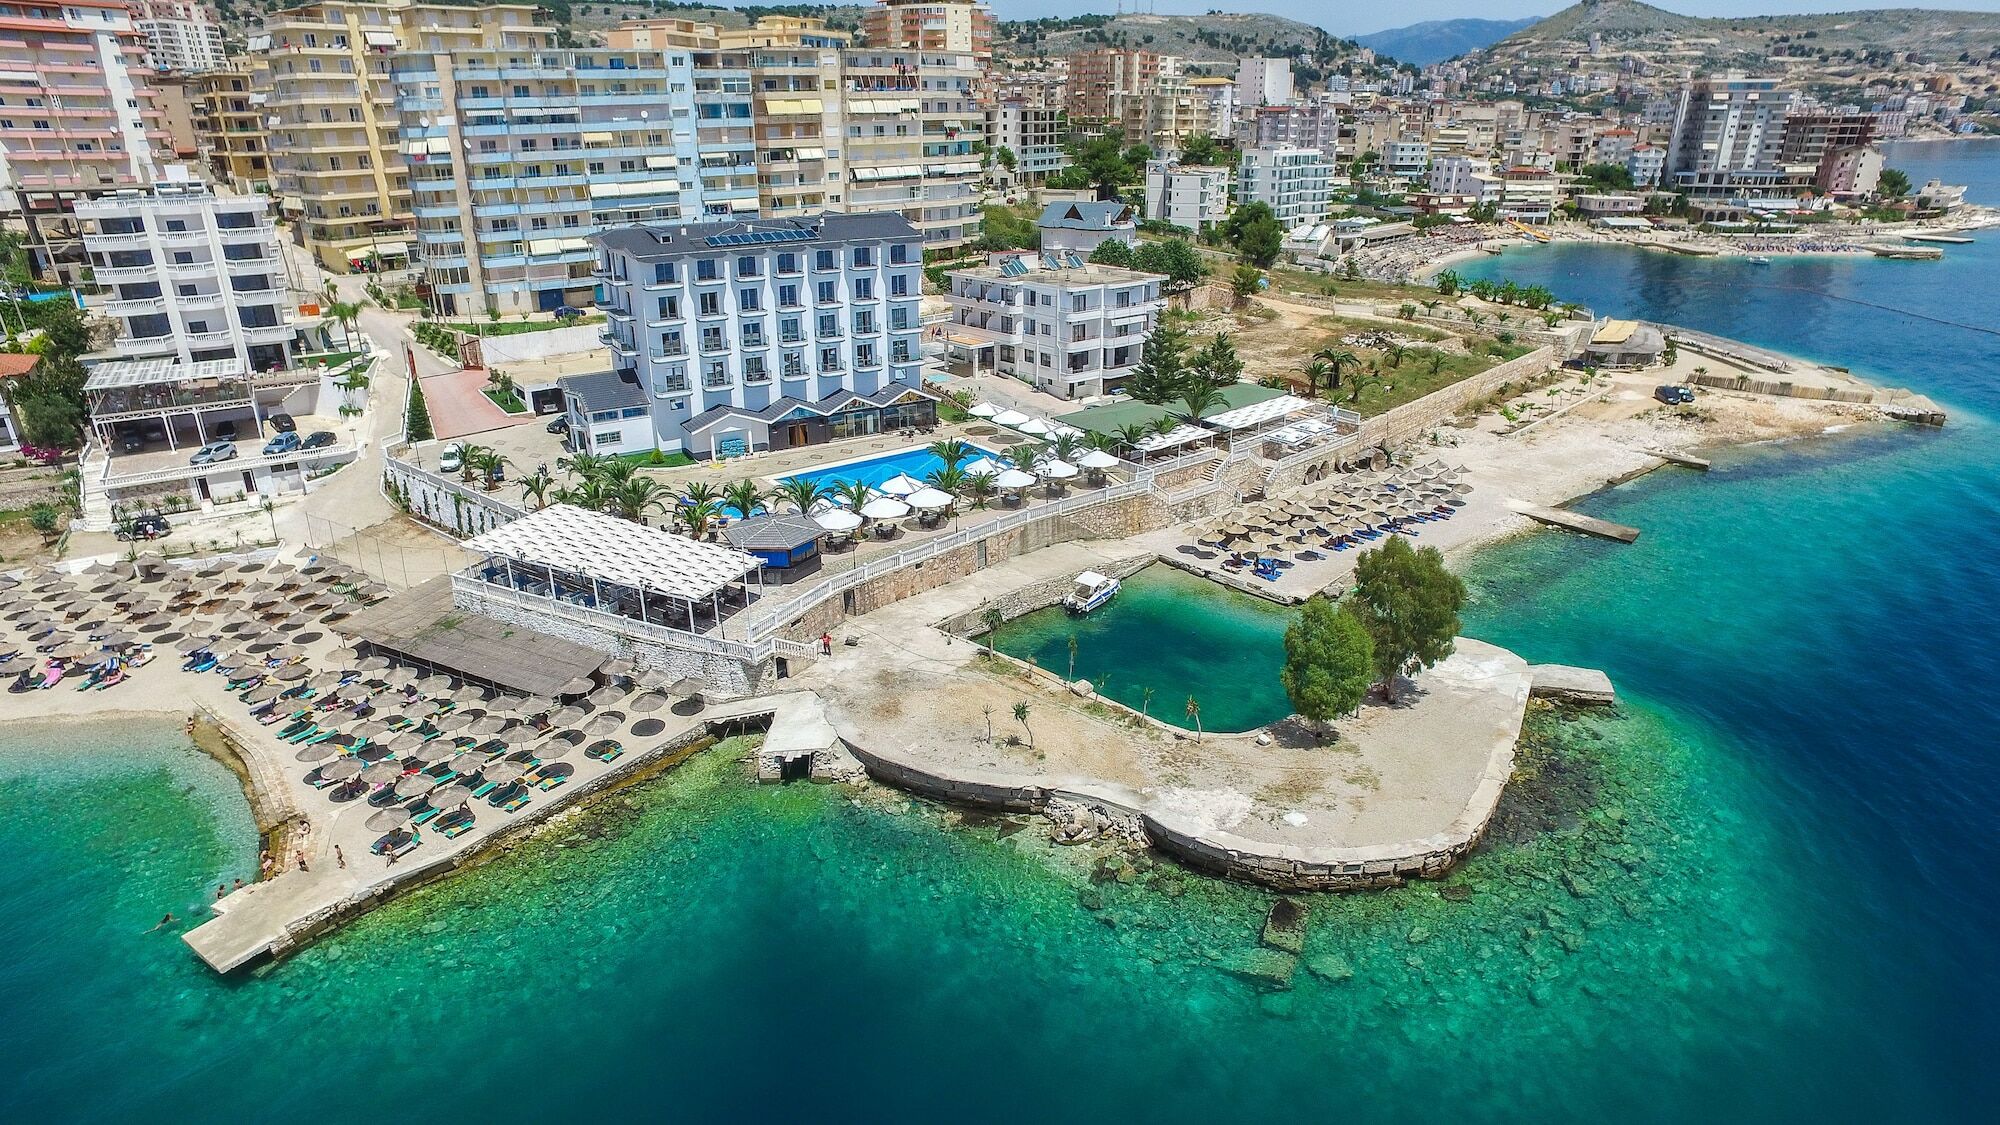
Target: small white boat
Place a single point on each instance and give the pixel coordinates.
(1091, 590)
(1759, 260)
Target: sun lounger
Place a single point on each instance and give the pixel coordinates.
(456, 825)
(483, 790)
(517, 802)
(427, 813)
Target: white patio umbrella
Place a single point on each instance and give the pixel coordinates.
(981, 467)
(983, 410)
(1035, 426)
(902, 484)
(1011, 419)
(1055, 468)
(885, 508)
(930, 499)
(839, 519)
(1097, 459)
(1014, 478)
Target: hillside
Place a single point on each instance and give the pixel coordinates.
(1438, 40)
(1755, 44)
(1216, 39)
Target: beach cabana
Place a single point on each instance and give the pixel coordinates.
(778, 541)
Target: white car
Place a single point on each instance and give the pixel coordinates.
(452, 459)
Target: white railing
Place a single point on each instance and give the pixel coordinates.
(188, 472)
(487, 500)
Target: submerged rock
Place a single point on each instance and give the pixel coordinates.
(1456, 892)
(1277, 1005)
(1285, 926)
(1330, 967)
(1577, 884)
(1268, 969)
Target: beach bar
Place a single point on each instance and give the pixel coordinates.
(589, 560)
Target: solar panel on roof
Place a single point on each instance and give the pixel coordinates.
(1072, 261)
(1049, 261)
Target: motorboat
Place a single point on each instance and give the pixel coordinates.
(1091, 591)
(1758, 260)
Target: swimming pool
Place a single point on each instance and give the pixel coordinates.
(917, 461)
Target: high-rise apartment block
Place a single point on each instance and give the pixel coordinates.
(180, 35)
(1727, 136)
(954, 27)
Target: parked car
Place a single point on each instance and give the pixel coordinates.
(213, 452)
(560, 425)
(130, 438)
(1674, 395)
(152, 525)
(452, 459)
(226, 431)
(283, 443)
(283, 423)
(318, 439)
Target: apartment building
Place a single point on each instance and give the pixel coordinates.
(229, 126)
(174, 97)
(1215, 99)
(1262, 81)
(1165, 115)
(1101, 79)
(1319, 124)
(1836, 148)
(1647, 163)
(76, 119)
(796, 73)
(1727, 136)
(1081, 226)
(912, 120)
(180, 35)
(1293, 182)
(336, 154)
(192, 276)
(1407, 160)
(1191, 197)
(1054, 320)
(1458, 174)
(1035, 134)
(515, 160)
(952, 27)
(739, 336)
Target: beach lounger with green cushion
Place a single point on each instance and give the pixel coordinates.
(516, 803)
(457, 828)
(483, 790)
(303, 735)
(425, 815)
(552, 782)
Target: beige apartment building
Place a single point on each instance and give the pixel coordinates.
(229, 125)
(336, 160)
(956, 27)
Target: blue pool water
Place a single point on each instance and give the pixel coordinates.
(919, 462)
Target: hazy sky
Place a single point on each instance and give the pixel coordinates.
(1359, 19)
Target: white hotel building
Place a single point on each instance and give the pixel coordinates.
(1295, 183)
(1054, 320)
(733, 337)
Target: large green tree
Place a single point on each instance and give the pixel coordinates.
(1200, 149)
(1216, 362)
(1329, 661)
(1409, 604)
(1161, 373)
(1174, 258)
(1893, 183)
(1112, 252)
(48, 403)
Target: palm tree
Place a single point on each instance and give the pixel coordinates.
(744, 496)
(1199, 400)
(981, 488)
(1395, 354)
(617, 470)
(468, 460)
(1065, 446)
(1436, 363)
(802, 492)
(696, 516)
(592, 493)
(1315, 371)
(583, 465)
(346, 313)
(951, 450)
(1431, 305)
(536, 486)
(1021, 717)
(1194, 715)
(949, 479)
(489, 464)
(1097, 440)
(1132, 433)
(1340, 359)
(851, 494)
(637, 497)
(991, 618)
(1165, 424)
(701, 492)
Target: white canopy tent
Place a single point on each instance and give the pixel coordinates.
(1258, 413)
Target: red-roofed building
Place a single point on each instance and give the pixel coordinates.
(12, 366)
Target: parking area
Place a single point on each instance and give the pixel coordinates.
(156, 455)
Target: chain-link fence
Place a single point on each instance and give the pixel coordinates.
(398, 552)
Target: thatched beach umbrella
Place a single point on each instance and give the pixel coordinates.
(648, 702)
(317, 752)
(504, 772)
(343, 769)
(404, 743)
(415, 785)
(389, 819)
(292, 672)
(604, 722)
(382, 773)
(451, 796)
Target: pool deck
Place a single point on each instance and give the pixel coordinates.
(1402, 790)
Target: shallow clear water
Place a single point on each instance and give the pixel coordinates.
(1168, 636)
(1765, 891)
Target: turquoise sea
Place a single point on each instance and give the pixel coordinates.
(1765, 890)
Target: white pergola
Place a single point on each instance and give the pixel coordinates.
(1174, 438)
(1258, 414)
(606, 551)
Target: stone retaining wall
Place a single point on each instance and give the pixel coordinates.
(724, 673)
(1038, 595)
(1413, 421)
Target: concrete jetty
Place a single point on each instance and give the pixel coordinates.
(1569, 684)
(1576, 521)
(1685, 460)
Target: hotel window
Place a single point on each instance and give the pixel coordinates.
(828, 292)
(670, 308)
(864, 321)
(707, 269)
(829, 360)
(754, 370)
(708, 304)
(789, 330)
(864, 257)
(899, 285)
(715, 373)
(788, 263)
(753, 334)
(899, 254)
(823, 260)
(899, 319)
(794, 366)
(670, 344)
(712, 339)
(663, 272)
(864, 355)
(829, 324)
(749, 300)
(899, 352)
(748, 266)
(864, 288)
(788, 296)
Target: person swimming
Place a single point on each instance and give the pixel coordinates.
(164, 923)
